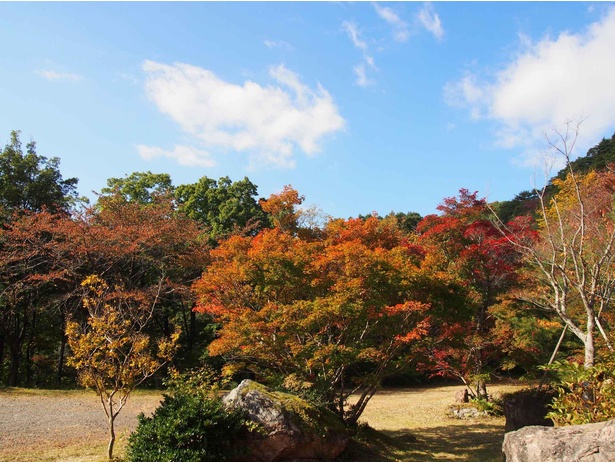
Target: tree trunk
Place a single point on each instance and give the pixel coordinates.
(1, 356)
(111, 423)
(15, 355)
(589, 342)
(192, 330)
(60, 371)
(29, 348)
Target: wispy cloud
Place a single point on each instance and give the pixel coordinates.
(400, 27)
(361, 74)
(547, 83)
(278, 44)
(184, 155)
(53, 75)
(269, 122)
(430, 20)
(360, 70)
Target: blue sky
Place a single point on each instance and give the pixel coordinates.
(360, 106)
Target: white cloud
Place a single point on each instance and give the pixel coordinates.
(465, 92)
(268, 122)
(549, 82)
(400, 28)
(278, 44)
(184, 155)
(360, 70)
(361, 74)
(431, 21)
(353, 32)
(53, 75)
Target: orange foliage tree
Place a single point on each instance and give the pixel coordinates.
(329, 316)
(149, 249)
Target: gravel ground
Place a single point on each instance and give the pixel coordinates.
(32, 420)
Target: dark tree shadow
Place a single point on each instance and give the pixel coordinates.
(476, 442)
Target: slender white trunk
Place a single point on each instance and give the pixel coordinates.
(589, 342)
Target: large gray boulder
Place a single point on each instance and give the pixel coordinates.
(292, 428)
(587, 443)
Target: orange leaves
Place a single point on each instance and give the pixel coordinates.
(313, 307)
(282, 208)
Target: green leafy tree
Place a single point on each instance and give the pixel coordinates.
(140, 187)
(223, 206)
(32, 182)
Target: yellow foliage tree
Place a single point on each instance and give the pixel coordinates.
(111, 352)
(572, 259)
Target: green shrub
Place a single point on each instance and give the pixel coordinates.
(584, 395)
(492, 407)
(186, 428)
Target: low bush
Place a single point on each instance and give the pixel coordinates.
(584, 395)
(186, 428)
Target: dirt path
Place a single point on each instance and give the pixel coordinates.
(40, 422)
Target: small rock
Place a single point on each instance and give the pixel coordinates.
(468, 413)
(462, 396)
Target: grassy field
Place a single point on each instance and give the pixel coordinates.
(409, 424)
(412, 425)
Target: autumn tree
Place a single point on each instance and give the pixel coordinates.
(283, 209)
(45, 256)
(29, 275)
(140, 246)
(111, 352)
(332, 314)
(573, 259)
(465, 248)
(31, 191)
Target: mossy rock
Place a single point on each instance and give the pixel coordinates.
(289, 427)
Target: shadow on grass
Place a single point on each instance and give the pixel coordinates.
(476, 442)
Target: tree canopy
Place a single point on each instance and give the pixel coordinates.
(30, 182)
(332, 314)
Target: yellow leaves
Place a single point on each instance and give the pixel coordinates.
(111, 352)
(168, 347)
(548, 324)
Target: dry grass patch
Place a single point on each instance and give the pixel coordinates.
(413, 425)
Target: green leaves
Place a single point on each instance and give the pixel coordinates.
(32, 182)
(585, 395)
